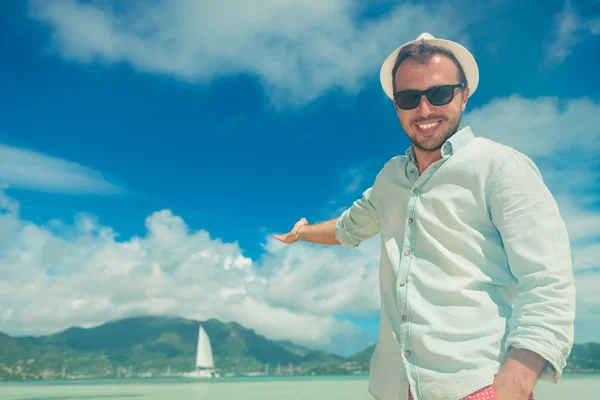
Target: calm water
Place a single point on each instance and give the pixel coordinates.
(571, 387)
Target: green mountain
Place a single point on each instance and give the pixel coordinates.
(158, 346)
(584, 358)
(150, 346)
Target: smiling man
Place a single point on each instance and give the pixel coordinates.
(477, 289)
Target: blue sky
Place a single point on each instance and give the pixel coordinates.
(149, 150)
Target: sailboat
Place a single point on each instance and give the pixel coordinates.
(204, 358)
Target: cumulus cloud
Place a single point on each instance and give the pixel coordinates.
(299, 49)
(562, 137)
(21, 168)
(324, 280)
(79, 275)
(543, 126)
(569, 28)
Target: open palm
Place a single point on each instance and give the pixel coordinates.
(290, 237)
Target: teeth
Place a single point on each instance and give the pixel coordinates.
(428, 126)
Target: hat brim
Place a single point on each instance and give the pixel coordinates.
(462, 55)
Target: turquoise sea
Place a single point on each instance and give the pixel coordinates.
(571, 387)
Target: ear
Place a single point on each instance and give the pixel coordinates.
(397, 108)
(465, 98)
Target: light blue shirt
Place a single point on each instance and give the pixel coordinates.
(475, 258)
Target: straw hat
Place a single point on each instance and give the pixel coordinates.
(463, 56)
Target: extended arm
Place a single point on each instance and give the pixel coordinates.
(357, 223)
(323, 233)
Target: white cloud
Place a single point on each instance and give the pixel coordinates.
(587, 323)
(587, 308)
(324, 280)
(299, 49)
(26, 169)
(568, 29)
(563, 138)
(83, 277)
(587, 258)
(544, 126)
(354, 179)
(582, 222)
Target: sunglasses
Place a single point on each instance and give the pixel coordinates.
(437, 96)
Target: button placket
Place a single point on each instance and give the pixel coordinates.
(408, 258)
(409, 234)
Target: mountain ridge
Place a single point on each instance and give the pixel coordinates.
(152, 344)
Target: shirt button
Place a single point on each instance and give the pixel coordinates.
(410, 220)
(416, 190)
(412, 170)
(401, 283)
(404, 317)
(407, 253)
(407, 353)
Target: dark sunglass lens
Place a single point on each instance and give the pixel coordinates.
(408, 99)
(441, 95)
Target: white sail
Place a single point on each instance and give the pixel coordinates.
(204, 357)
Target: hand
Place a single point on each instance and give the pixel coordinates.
(507, 390)
(290, 237)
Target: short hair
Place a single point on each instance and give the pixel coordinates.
(422, 52)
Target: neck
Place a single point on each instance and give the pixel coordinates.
(426, 158)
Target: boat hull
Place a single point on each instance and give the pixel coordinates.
(201, 374)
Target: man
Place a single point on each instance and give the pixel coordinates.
(477, 290)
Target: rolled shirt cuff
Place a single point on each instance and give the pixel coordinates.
(556, 361)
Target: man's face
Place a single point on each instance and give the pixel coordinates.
(428, 126)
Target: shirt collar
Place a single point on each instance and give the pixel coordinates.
(456, 141)
(410, 154)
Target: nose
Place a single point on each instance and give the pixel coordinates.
(424, 107)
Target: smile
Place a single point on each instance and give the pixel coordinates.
(428, 126)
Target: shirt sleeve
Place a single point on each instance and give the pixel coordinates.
(539, 256)
(359, 222)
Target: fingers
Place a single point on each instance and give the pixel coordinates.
(281, 238)
(290, 237)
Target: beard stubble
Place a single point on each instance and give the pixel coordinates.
(435, 142)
